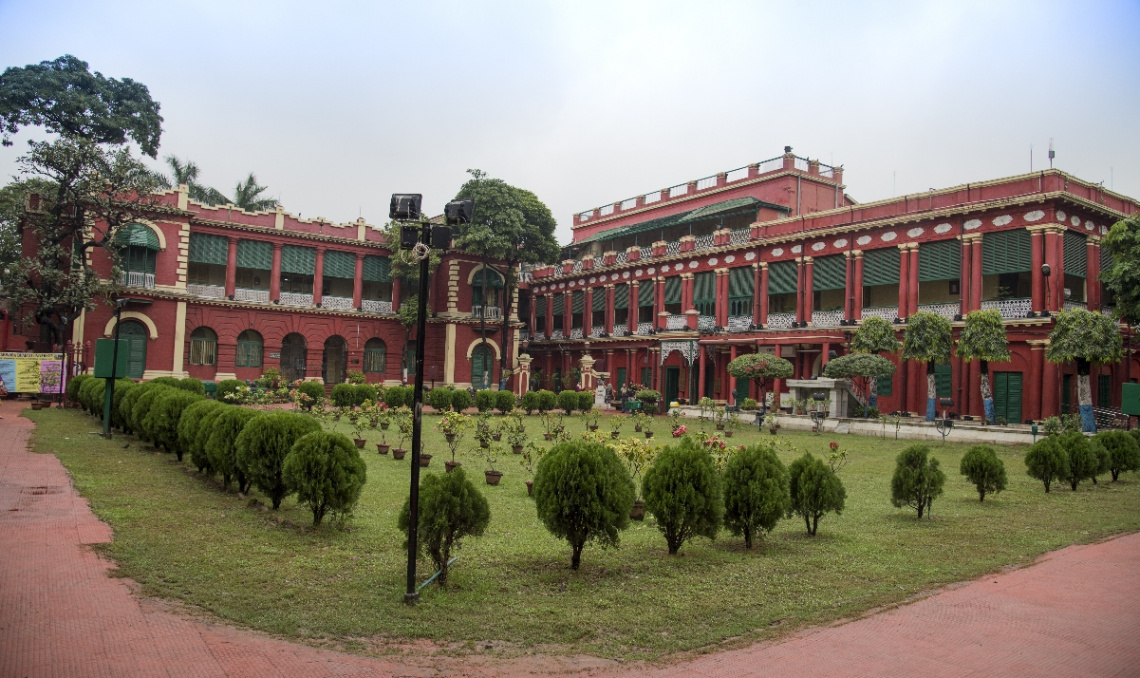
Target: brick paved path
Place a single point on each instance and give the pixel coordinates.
(1074, 613)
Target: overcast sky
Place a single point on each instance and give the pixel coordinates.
(336, 105)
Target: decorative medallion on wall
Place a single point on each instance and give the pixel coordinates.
(712, 262)
(863, 240)
(915, 232)
(1075, 220)
(693, 264)
(797, 249)
(625, 275)
(1035, 215)
(729, 259)
(1061, 216)
(651, 271)
(572, 283)
(638, 272)
(888, 236)
(1089, 226)
(1002, 220)
(665, 268)
(749, 256)
(972, 224)
(839, 244)
(562, 286)
(593, 279)
(818, 246)
(614, 276)
(779, 251)
(942, 228)
(582, 282)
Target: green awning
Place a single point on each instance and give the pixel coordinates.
(598, 299)
(881, 266)
(209, 249)
(645, 293)
(559, 303)
(300, 260)
(255, 254)
(539, 307)
(673, 290)
(939, 261)
(137, 235)
(340, 265)
(1076, 256)
(621, 296)
(716, 210)
(704, 287)
(829, 273)
(782, 277)
(577, 302)
(377, 269)
(1007, 252)
(741, 281)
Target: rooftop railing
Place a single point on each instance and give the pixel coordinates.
(676, 322)
(256, 296)
(337, 303)
(781, 321)
(888, 313)
(946, 310)
(1010, 309)
(827, 318)
(296, 299)
(207, 291)
(374, 306)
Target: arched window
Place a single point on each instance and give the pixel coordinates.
(203, 347)
(375, 356)
(485, 288)
(482, 367)
(248, 349)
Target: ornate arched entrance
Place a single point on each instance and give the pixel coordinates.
(293, 357)
(335, 360)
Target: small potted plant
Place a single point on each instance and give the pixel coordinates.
(637, 455)
(773, 422)
(675, 417)
(732, 421)
(497, 431)
(639, 418)
(531, 454)
(491, 454)
(516, 437)
(357, 420)
(453, 425)
(706, 406)
(646, 428)
(592, 417)
(385, 416)
(404, 425)
(719, 414)
(548, 426)
(483, 430)
(615, 426)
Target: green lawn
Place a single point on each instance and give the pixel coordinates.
(182, 537)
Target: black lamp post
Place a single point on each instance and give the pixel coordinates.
(1046, 271)
(421, 237)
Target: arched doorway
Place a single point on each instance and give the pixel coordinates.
(335, 360)
(134, 334)
(482, 365)
(293, 357)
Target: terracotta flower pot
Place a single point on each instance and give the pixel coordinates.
(615, 434)
(449, 437)
(398, 452)
(496, 437)
(530, 488)
(359, 443)
(720, 427)
(593, 427)
(548, 436)
(450, 465)
(384, 425)
(649, 434)
(425, 459)
(493, 477)
(637, 428)
(728, 434)
(517, 449)
(383, 448)
(638, 510)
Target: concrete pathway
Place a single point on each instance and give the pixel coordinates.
(1076, 612)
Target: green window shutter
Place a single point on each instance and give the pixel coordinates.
(620, 377)
(494, 280)
(645, 293)
(1007, 252)
(138, 259)
(939, 261)
(741, 282)
(209, 249)
(340, 265)
(376, 269)
(782, 277)
(137, 235)
(621, 296)
(540, 307)
(944, 379)
(829, 273)
(646, 376)
(885, 385)
(255, 254)
(881, 267)
(577, 302)
(599, 299)
(704, 287)
(1076, 254)
(1104, 390)
(559, 303)
(1007, 396)
(1105, 258)
(673, 290)
(300, 260)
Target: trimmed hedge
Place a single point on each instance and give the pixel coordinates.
(505, 401)
(199, 454)
(313, 390)
(221, 446)
(485, 400)
(460, 400)
(917, 480)
(814, 490)
(362, 393)
(126, 405)
(161, 423)
(343, 395)
(1083, 462)
(547, 400)
(397, 396)
(1123, 451)
(166, 381)
(122, 388)
(141, 407)
(529, 401)
(326, 472)
(188, 429)
(755, 492)
(263, 445)
(73, 385)
(982, 467)
(227, 386)
(439, 399)
(192, 385)
(91, 395)
(585, 401)
(684, 493)
(568, 401)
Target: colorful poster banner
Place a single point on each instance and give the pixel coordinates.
(32, 372)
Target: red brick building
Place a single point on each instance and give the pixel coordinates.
(667, 288)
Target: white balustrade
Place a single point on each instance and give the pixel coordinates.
(739, 323)
(578, 266)
(705, 242)
(677, 322)
(740, 236)
(1010, 309)
(258, 296)
(947, 311)
(374, 306)
(672, 248)
(620, 329)
(644, 328)
(337, 303)
(557, 334)
(136, 279)
(487, 312)
(1074, 305)
(646, 253)
(781, 321)
(888, 313)
(207, 291)
(706, 323)
(296, 299)
(827, 318)
(597, 331)
(621, 258)
(576, 333)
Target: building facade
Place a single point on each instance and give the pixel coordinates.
(665, 289)
(219, 293)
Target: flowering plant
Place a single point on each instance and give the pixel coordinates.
(679, 431)
(838, 458)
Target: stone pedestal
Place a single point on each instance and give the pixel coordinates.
(839, 395)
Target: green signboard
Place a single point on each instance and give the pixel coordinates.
(1130, 399)
(104, 350)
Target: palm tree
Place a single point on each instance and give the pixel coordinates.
(247, 196)
(186, 172)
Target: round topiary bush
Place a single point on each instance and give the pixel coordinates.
(684, 493)
(91, 395)
(73, 385)
(230, 387)
(166, 381)
(504, 401)
(126, 406)
(585, 401)
(147, 395)
(439, 399)
(917, 480)
(188, 429)
(814, 490)
(982, 467)
(161, 422)
(326, 472)
(198, 451)
(395, 397)
(568, 401)
(263, 445)
(1123, 451)
(755, 492)
(192, 385)
(362, 393)
(485, 400)
(529, 401)
(583, 493)
(450, 508)
(221, 446)
(547, 400)
(460, 400)
(315, 391)
(343, 395)
(1083, 462)
(122, 388)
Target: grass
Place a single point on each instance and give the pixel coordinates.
(183, 537)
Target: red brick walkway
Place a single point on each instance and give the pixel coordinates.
(1074, 613)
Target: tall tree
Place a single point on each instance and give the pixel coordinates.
(62, 96)
(983, 338)
(928, 339)
(853, 366)
(761, 367)
(1086, 338)
(510, 225)
(1122, 275)
(13, 197)
(875, 335)
(186, 172)
(247, 195)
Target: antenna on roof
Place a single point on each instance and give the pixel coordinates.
(1052, 153)
(1030, 157)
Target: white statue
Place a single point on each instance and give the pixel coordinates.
(600, 396)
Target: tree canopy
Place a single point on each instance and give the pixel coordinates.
(1122, 274)
(858, 365)
(760, 366)
(875, 335)
(64, 97)
(983, 337)
(927, 338)
(1085, 337)
(510, 224)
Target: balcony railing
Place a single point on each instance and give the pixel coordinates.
(646, 253)
(739, 323)
(672, 248)
(948, 310)
(827, 318)
(557, 334)
(676, 322)
(374, 306)
(644, 328)
(706, 323)
(621, 258)
(136, 279)
(207, 291)
(524, 334)
(1010, 309)
(781, 321)
(487, 312)
(705, 242)
(1074, 305)
(740, 236)
(337, 303)
(257, 296)
(888, 313)
(578, 266)
(576, 333)
(597, 331)
(296, 299)
(620, 329)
